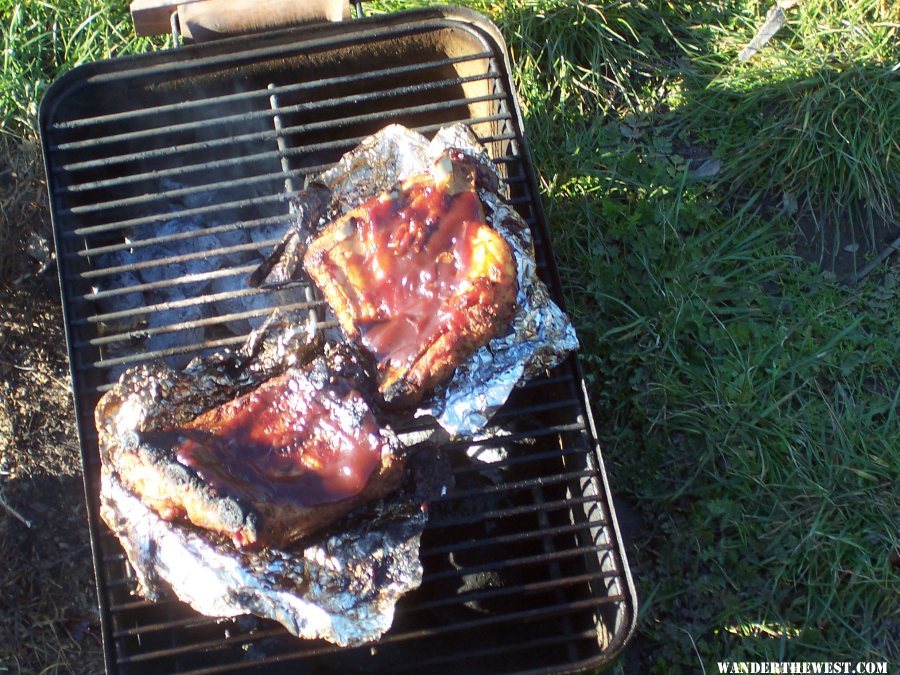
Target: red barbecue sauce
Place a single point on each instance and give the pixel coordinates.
(286, 441)
(414, 256)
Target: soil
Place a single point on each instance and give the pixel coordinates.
(836, 252)
(49, 620)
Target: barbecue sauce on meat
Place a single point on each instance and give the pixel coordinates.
(289, 440)
(415, 254)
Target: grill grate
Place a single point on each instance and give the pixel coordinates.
(170, 177)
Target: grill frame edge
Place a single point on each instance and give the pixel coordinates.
(71, 81)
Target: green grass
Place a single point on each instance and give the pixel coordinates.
(42, 40)
(817, 138)
(813, 117)
(749, 407)
(748, 402)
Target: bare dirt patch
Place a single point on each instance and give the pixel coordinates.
(48, 608)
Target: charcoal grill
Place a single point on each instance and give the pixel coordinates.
(169, 177)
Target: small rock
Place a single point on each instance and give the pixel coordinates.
(707, 169)
(789, 203)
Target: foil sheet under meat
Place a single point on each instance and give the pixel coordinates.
(341, 585)
(540, 335)
(342, 589)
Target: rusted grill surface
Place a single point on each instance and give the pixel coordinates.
(170, 177)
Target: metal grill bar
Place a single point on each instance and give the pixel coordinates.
(183, 280)
(495, 593)
(512, 617)
(517, 617)
(216, 229)
(243, 118)
(289, 188)
(544, 642)
(170, 260)
(534, 644)
(189, 302)
(555, 453)
(327, 82)
(534, 587)
(181, 236)
(337, 123)
(519, 537)
(143, 332)
(162, 217)
(498, 514)
(505, 414)
(516, 538)
(507, 563)
(216, 186)
(163, 353)
(141, 604)
(173, 351)
(173, 194)
(511, 438)
(196, 621)
(344, 144)
(540, 481)
(131, 244)
(200, 211)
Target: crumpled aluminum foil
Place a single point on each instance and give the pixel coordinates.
(541, 334)
(341, 587)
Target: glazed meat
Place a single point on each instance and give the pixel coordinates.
(270, 466)
(417, 277)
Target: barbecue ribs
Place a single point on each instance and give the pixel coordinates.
(417, 277)
(270, 466)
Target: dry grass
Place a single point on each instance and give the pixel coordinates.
(23, 205)
(48, 606)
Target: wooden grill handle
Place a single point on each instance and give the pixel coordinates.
(203, 20)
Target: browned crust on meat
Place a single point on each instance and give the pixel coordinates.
(485, 303)
(487, 307)
(332, 288)
(281, 525)
(171, 489)
(146, 464)
(176, 492)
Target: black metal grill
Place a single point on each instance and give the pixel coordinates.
(170, 176)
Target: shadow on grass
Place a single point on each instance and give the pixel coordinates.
(816, 149)
(745, 406)
(48, 607)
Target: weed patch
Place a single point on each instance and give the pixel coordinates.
(42, 40)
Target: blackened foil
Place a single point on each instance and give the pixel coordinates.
(155, 396)
(540, 335)
(341, 585)
(342, 588)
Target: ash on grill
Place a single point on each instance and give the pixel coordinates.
(179, 285)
